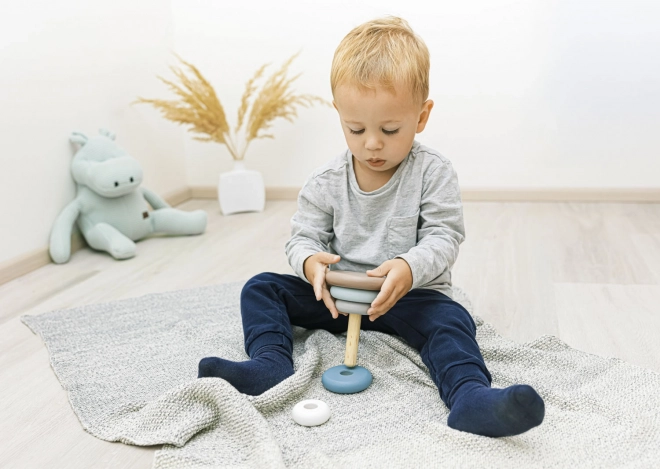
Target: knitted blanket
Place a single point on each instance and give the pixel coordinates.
(130, 367)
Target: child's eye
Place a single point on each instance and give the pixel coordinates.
(357, 132)
(390, 132)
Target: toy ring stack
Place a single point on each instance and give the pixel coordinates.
(353, 292)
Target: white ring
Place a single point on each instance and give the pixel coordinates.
(310, 413)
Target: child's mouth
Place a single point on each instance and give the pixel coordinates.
(376, 162)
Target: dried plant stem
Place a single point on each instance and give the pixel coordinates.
(231, 146)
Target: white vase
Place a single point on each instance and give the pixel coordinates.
(241, 190)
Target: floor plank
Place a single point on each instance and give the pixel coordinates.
(611, 320)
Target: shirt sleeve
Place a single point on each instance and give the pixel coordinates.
(441, 229)
(311, 227)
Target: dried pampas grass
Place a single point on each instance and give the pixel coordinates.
(199, 107)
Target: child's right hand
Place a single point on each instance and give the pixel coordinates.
(315, 267)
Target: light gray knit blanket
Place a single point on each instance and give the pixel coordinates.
(130, 369)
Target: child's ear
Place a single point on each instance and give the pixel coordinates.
(424, 115)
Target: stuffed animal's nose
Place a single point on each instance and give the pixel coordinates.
(116, 184)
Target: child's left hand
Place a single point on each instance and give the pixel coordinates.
(398, 282)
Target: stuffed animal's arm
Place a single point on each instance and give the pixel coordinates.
(60, 237)
(154, 199)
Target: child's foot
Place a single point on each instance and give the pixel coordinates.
(270, 366)
(496, 412)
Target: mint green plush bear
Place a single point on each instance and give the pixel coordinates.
(110, 207)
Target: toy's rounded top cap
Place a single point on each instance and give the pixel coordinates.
(359, 280)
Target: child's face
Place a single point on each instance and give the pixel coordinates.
(379, 125)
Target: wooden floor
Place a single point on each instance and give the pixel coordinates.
(587, 273)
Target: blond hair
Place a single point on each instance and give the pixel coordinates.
(384, 52)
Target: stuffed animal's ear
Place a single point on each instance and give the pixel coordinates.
(107, 133)
(78, 137)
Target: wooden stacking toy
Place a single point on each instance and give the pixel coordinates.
(353, 292)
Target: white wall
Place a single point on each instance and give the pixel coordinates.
(528, 94)
(77, 65)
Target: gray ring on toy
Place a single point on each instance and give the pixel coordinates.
(352, 308)
(353, 294)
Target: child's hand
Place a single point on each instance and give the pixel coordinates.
(314, 268)
(398, 282)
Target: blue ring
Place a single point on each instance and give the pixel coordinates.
(353, 295)
(344, 380)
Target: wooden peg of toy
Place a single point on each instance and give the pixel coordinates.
(352, 340)
(358, 281)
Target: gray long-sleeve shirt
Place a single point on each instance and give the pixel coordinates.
(417, 216)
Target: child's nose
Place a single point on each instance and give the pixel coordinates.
(373, 143)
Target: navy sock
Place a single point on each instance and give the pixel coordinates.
(270, 365)
(478, 409)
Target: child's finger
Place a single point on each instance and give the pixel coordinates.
(319, 282)
(375, 314)
(318, 288)
(330, 304)
(373, 317)
(382, 297)
(383, 303)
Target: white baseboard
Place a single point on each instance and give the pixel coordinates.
(178, 196)
(635, 195)
(23, 264)
(611, 195)
(272, 193)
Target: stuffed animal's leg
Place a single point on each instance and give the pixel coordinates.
(178, 222)
(104, 237)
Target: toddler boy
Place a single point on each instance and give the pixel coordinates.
(391, 207)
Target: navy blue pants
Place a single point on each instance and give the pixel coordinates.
(439, 328)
